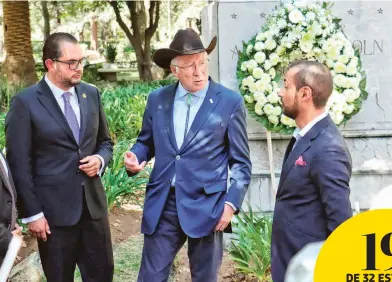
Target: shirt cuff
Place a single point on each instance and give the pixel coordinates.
(32, 218)
(231, 205)
(102, 165)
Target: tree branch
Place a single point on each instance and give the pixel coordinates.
(153, 22)
(120, 21)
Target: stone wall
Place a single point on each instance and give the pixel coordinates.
(368, 134)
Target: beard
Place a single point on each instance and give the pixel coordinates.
(293, 111)
(69, 82)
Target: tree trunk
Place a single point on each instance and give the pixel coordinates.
(19, 63)
(94, 33)
(144, 23)
(45, 14)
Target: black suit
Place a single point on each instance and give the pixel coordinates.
(44, 159)
(5, 211)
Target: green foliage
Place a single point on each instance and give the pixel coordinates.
(116, 181)
(111, 52)
(124, 108)
(251, 247)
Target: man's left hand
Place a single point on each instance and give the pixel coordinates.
(225, 219)
(90, 165)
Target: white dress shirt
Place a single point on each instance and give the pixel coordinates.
(299, 133)
(73, 100)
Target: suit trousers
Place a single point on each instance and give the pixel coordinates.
(160, 248)
(87, 244)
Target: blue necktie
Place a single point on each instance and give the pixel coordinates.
(188, 102)
(70, 116)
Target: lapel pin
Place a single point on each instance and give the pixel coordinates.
(211, 101)
(84, 95)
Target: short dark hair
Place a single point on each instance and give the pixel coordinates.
(316, 76)
(51, 49)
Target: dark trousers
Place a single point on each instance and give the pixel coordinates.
(87, 244)
(160, 248)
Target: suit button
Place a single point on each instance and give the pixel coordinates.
(9, 202)
(178, 158)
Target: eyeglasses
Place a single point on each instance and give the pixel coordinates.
(72, 64)
(201, 64)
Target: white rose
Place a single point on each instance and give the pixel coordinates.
(268, 109)
(259, 46)
(348, 109)
(249, 49)
(295, 16)
(340, 80)
(349, 51)
(257, 73)
(340, 68)
(261, 85)
(248, 99)
(270, 44)
(351, 69)
(273, 119)
(252, 87)
(310, 16)
(277, 111)
(273, 98)
(260, 57)
(260, 36)
(350, 95)
(354, 61)
(343, 59)
(280, 50)
(267, 64)
(306, 46)
(244, 66)
(274, 58)
(259, 109)
(269, 88)
(317, 50)
(265, 77)
(333, 73)
(282, 23)
(337, 117)
(252, 64)
(272, 73)
(330, 63)
(260, 97)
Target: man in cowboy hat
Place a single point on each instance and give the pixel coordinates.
(196, 131)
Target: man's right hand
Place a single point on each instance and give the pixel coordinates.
(132, 164)
(39, 228)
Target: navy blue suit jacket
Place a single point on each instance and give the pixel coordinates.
(312, 198)
(217, 140)
(44, 156)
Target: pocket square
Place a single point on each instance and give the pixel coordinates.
(300, 161)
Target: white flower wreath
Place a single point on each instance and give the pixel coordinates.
(294, 31)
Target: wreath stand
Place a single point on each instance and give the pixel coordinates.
(271, 162)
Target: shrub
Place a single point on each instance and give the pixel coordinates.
(251, 246)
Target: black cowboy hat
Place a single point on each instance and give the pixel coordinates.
(185, 42)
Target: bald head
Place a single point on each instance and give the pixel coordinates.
(316, 76)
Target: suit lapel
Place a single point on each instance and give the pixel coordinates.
(303, 144)
(48, 100)
(83, 111)
(7, 179)
(168, 113)
(210, 101)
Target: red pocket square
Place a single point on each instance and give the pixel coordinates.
(300, 161)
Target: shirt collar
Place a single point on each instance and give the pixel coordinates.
(58, 92)
(181, 92)
(308, 127)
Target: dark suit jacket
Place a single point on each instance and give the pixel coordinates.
(44, 156)
(313, 198)
(216, 140)
(5, 212)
